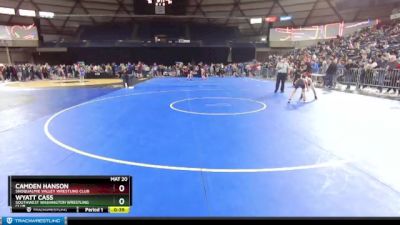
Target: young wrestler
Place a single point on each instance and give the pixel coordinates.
(310, 84)
(300, 83)
(306, 67)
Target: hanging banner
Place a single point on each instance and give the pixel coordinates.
(19, 36)
(323, 32)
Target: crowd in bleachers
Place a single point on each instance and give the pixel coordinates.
(369, 57)
(368, 43)
(27, 72)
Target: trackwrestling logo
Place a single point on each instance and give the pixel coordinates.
(33, 220)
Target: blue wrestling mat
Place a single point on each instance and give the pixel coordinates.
(216, 147)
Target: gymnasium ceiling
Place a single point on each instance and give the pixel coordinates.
(70, 14)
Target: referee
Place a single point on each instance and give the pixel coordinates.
(282, 68)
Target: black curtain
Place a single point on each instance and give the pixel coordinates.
(164, 55)
(243, 54)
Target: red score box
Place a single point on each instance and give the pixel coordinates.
(271, 19)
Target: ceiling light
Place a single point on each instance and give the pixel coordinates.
(24, 12)
(8, 11)
(285, 18)
(255, 20)
(46, 14)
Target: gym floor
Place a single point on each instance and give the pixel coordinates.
(216, 147)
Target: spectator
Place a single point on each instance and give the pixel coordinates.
(1, 72)
(350, 70)
(330, 73)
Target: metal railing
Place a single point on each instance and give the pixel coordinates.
(379, 78)
(360, 78)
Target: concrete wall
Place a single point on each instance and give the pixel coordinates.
(54, 37)
(294, 44)
(17, 55)
(263, 53)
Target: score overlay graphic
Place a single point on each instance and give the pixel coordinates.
(70, 194)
